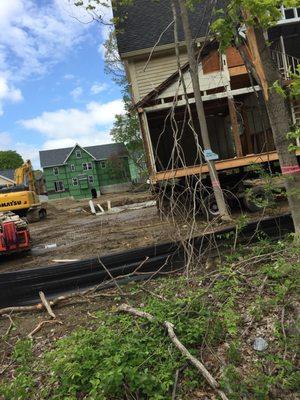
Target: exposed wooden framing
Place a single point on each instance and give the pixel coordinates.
(235, 127)
(247, 131)
(220, 165)
(239, 70)
(147, 141)
(213, 96)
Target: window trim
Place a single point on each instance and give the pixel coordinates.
(75, 180)
(103, 164)
(72, 168)
(87, 164)
(91, 180)
(62, 184)
(54, 169)
(78, 153)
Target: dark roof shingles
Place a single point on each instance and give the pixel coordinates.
(7, 173)
(142, 23)
(50, 158)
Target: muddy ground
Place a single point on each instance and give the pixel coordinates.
(77, 235)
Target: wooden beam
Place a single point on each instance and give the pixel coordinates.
(147, 142)
(240, 70)
(247, 131)
(220, 165)
(214, 96)
(235, 127)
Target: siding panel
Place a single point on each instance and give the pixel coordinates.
(156, 72)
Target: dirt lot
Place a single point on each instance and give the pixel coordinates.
(79, 235)
(76, 234)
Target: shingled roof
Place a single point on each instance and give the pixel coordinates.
(51, 158)
(7, 173)
(142, 23)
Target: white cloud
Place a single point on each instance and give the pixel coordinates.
(5, 139)
(8, 93)
(65, 127)
(76, 93)
(27, 151)
(98, 88)
(69, 77)
(35, 35)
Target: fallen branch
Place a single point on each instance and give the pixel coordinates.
(47, 305)
(175, 384)
(11, 324)
(158, 296)
(41, 324)
(170, 329)
(35, 307)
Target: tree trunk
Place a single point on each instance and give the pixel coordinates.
(280, 120)
(200, 110)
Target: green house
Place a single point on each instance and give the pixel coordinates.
(86, 172)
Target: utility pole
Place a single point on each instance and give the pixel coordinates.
(200, 109)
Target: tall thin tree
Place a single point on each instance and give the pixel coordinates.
(193, 64)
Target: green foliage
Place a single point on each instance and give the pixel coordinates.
(262, 13)
(22, 385)
(126, 129)
(295, 84)
(10, 159)
(279, 89)
(127, 355)
(294, 135)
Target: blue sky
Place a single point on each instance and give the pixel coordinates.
(53, 89)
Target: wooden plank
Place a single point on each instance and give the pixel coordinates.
(211, 63)
(234, 58)
(220, 165)
(241, 70)
(235, 127)
(215, 96)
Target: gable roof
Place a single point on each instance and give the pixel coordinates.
(81, 148)
(145, 20)
(8, 174)
(52, 158)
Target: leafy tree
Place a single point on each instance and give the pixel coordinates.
(113, 64)
(126, 127)
(10, 159)
(257, 16)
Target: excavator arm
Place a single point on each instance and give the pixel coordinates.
(24, 176)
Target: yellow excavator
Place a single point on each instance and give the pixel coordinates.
(22, 198)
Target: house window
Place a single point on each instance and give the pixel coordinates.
(75, 181)
(103, 164)
(72, 167)
(59, 186)
(91, 178)
(87, 166)
(78, 153)
(55, 171)
(289, 14)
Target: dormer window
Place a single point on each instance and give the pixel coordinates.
(78, 153)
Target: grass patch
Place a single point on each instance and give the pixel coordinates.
(128, 358)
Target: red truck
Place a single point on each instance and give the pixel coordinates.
(14, 234)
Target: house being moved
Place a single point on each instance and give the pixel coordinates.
(238, 124)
